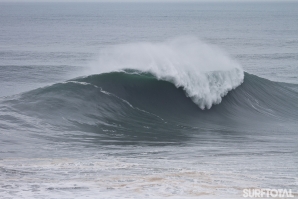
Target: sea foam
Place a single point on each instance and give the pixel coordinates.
(204, 71)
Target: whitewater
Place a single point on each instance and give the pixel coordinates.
(204, 71)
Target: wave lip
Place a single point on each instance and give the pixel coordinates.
(204, 71)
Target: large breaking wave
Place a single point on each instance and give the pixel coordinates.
(132, 98)
(155, 92)
(204, 71)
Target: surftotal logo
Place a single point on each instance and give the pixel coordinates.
(267, 193)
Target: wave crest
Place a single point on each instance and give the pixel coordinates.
(204, 71)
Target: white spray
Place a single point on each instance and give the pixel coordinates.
(204, 71)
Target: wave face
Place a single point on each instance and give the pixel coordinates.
(135, 106)
(205, 72)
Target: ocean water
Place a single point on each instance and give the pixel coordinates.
(147, 100)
